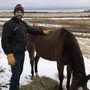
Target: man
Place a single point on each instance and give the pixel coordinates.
(14, 43)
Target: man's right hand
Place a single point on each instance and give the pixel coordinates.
(11, 59)
(48, 31)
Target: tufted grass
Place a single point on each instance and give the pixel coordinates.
(41, 83)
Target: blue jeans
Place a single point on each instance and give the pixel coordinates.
(16, 71)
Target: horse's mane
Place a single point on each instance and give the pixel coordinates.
(72, 48)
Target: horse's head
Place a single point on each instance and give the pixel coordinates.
(80, 82)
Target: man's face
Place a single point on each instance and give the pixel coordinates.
(19, 14)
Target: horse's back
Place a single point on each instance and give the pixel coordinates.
(48, 45)
(61, 42)
(45, 44)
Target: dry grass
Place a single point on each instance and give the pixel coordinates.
(74, 25)
(41, 83)
(46, 15)
(79, 25)
(85, 46)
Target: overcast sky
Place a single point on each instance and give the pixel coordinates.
(28, 4)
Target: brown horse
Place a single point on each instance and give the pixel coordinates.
(60, 46)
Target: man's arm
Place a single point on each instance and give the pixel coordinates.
(36, 31)
(6, 38)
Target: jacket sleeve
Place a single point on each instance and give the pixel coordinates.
(34, 31)
(6, 38)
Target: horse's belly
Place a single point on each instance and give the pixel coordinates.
(46, 54)
(45, 49)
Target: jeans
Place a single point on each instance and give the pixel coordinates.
(16, 71)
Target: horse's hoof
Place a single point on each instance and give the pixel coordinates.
(37, 76)
(32, 77)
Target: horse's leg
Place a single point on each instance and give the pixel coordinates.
(60, 67)
(32, 72)
(31, 55)
(36, 64)
(69, 72)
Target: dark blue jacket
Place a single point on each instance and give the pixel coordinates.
(14, 35)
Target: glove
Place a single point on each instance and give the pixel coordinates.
(47, 31)
(11, 59)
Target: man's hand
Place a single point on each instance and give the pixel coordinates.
(48, 31)
(11, 59)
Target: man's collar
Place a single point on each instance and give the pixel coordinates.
(17, 20)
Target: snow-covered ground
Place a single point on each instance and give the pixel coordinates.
(46, 68)
(3, 20)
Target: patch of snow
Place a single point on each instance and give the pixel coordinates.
(45, 67)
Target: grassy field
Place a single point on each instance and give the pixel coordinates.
(78, 25)
(76, 22)
(41, 83)
(75, 25)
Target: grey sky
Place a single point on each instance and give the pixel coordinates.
(4, 4)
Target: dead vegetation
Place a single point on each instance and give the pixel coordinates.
(80, 27)
(85, 46)
(41, 83)
(74, 25)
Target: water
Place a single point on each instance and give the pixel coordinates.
(50, 10)
(56, 10)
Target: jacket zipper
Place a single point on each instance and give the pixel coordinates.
(22, 29)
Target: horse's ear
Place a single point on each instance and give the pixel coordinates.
(84, 79)
(87, 78)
